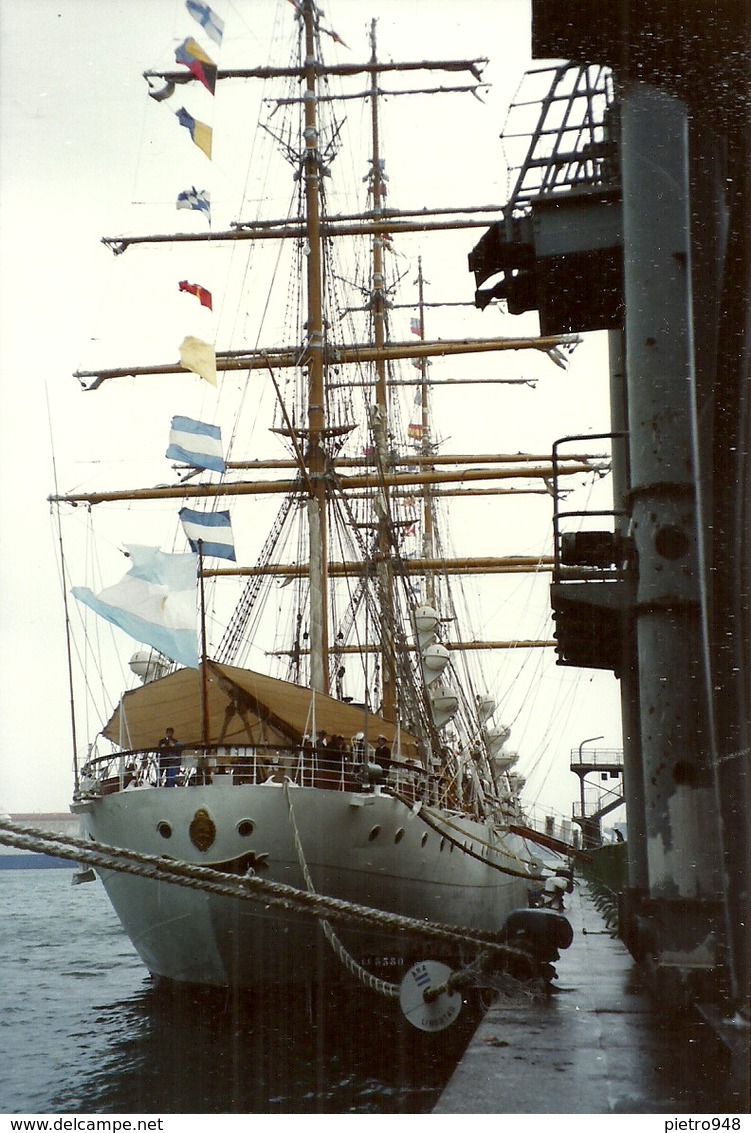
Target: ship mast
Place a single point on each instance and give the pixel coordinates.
(380, 417)
(318, 537)
(317, 353)
(428, 548)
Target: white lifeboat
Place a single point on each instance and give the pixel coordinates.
(444, 704)
(504, 761)
(486, 706)
(434, 660)
(496, 738)
(147, 665)
(426, 624)
(517, 781)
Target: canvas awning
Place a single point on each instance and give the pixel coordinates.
(243, 707)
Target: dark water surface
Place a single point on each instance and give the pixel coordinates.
(84, 1030)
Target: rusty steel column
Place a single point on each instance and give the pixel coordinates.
(682, 847)
(633, 779)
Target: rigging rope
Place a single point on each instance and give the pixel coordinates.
(238, 623)
(424, 813)
(389, 990)
(474, 974)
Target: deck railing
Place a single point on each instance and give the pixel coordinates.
(240, 765)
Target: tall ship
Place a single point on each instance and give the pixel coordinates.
(307, 715)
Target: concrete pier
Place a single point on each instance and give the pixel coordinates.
(597, 1045)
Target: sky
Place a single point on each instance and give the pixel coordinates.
(85, 153)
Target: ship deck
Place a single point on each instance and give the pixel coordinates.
(599, 1045)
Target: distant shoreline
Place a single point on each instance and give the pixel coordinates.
(49, 821)
(14, 860)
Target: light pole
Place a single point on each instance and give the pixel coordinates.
(591, 740)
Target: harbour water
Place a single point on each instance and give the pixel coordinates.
(84, 1029)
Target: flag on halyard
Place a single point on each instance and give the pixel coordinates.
(212, 529)
(201, 293)
(207, 18)
(414, 430)
(199, 357)
(195, 199)
(334, 35)
(414, 326)
(199, 131)
(192, 56)
(155, 602)
(196, 443)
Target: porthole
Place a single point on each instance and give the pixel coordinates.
(245, 828)
(374, 833)
(442, 844)
(451, 847)
(164, 829)
(399, 834)
(424, 840)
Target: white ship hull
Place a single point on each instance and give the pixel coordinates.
(366, 848)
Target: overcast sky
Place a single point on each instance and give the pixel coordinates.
(85, 153)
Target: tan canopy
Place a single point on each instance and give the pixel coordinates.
(243, 707)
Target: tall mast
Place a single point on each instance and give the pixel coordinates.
(319, 643)
(428, 548)
(380, 417)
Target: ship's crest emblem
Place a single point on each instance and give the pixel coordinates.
(202, 830)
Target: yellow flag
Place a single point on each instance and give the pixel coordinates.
(202, 136)
(199, 357)
(199, 131)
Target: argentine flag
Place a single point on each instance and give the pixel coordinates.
(212, 529)
(155, 602)
(196, 443)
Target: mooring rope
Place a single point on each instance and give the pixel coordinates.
(477, 975)
(270, 893)
(389, 990)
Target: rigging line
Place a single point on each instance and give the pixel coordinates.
(266, 165)
(265, 310)
(237, 626)
(292, 430)
(68, 643)
(427, 817)
(564, 710)
(526, 706)
(359, 596)
(389, 990)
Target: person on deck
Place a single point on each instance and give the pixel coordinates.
(382, 753)
(337, 747)
(170, 753)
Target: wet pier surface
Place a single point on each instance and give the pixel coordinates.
(599, 1044)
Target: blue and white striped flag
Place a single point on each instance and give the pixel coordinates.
(207, 18)
(196, 443)
(155, 602)
(212, 529)
(195, 199)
